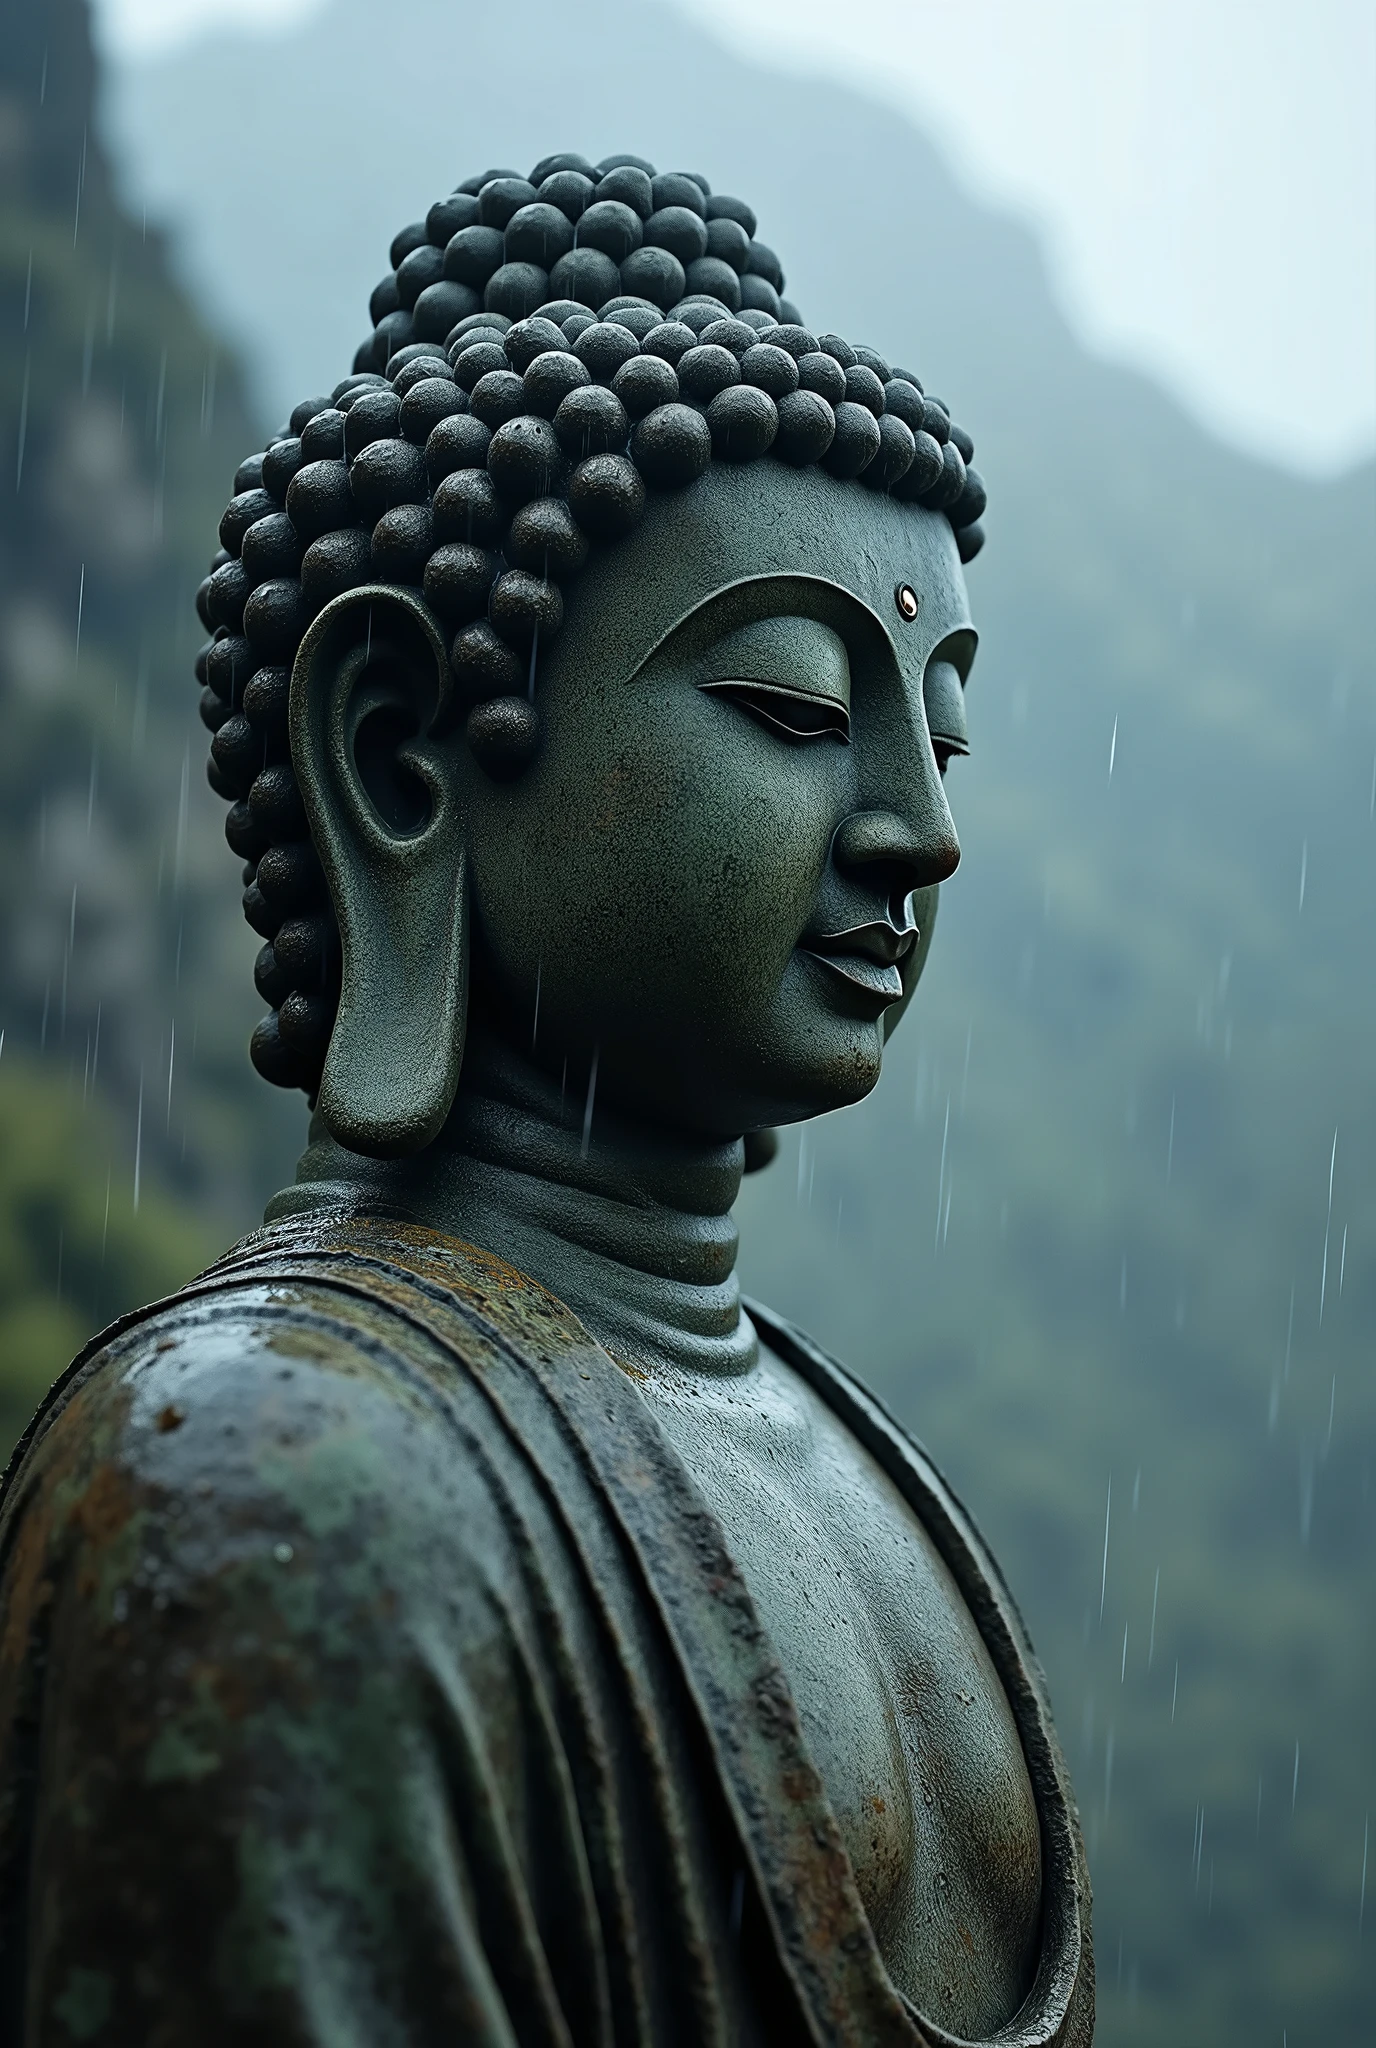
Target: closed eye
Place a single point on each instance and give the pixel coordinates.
(791, 712)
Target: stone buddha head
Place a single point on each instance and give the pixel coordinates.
(587, 665)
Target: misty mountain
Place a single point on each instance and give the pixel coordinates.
(1106, 1233)
(125, 1150)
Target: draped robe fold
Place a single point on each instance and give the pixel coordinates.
(373, 1675)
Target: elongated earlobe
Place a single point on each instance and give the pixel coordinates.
(372, 746)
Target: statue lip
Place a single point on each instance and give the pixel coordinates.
(867, 955)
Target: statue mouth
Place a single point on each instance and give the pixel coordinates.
(867, 955)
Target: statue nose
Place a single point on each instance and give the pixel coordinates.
(914, 854)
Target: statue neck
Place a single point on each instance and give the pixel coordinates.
(629, 1224)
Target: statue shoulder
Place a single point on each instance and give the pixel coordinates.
(255, 1410)
(275, 1573)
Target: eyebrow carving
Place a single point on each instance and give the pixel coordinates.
(759, 601)
(799, 714)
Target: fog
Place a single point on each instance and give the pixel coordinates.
(1202, 178)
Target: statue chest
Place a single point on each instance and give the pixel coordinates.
(902, 1709)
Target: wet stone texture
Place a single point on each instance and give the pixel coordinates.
(372, 1670)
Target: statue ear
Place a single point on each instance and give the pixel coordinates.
(374, 755)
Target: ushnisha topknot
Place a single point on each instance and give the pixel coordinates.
(545, 350)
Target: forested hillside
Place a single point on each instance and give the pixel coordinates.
(132, 1135)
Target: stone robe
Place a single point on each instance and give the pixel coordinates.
(373, 1675)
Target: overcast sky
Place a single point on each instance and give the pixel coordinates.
(1203, 171)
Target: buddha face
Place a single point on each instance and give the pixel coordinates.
(719, 876)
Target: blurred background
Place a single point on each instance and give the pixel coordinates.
(1105, 1234)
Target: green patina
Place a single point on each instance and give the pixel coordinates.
(86, 2004)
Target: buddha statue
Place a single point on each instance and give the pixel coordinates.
(458, 1617)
